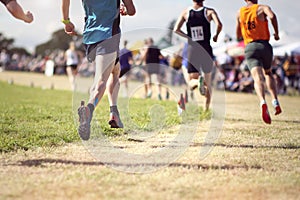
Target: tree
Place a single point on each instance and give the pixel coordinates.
(8, 44)
(167, 39)
(59, 40)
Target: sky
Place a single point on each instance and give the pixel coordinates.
(151, 19)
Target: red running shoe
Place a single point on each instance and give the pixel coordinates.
(277, 110)
(265, 114)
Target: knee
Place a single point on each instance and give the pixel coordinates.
(98, 87)
(268, 72)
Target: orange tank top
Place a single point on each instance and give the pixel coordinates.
(252, 28)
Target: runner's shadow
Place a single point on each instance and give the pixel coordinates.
(201, 167)
(250, 146)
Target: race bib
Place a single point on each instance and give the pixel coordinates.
(197, 33)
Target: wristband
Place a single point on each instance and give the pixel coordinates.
(65, 21)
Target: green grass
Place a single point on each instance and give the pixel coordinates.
(32, 117)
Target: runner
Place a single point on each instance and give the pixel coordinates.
(252, 27)
(101, 37)
(151, 57)
(72, 61)
(126, 60)
(16, 10)
(198, 20)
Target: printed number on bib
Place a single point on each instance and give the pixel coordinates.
(197, 33)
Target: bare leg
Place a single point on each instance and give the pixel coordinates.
(71, 75)
(113, 85)
(272, 87)
(258, 76)
(148, 87)
(193, 80)
(104, 67)
(271, 84)
(207, 80)
(259, 86)
(160, 80)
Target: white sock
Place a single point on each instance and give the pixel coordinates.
(193, 83)
(275, 102)
(263, 102)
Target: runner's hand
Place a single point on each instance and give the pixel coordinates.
(276, 36)
(123, 11)
(70, 29)
(215, 38)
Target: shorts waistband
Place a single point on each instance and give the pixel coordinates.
(260, 41)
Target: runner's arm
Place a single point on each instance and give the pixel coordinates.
(69, 27)
(239, 36)
(17, 11)
(273, 18)
(218, 23)
(179, 24)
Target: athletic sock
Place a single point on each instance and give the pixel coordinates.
(263, 102)
(114, 109)
(276, 106)
(92, 108)
(275, 102)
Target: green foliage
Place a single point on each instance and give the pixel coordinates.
(59, 40)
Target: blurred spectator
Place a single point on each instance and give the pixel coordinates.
(246, 82)
(126, 61)
(60, 63)
(4, 59)
(72, 61)
(290, 68)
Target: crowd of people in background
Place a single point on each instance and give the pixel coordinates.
(230, 73)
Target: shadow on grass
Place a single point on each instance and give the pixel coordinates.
(288, 146)
(202, 167)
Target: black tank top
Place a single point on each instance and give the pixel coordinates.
(153, 54)
(198, 28)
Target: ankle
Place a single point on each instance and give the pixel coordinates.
(275, 102)
(263, 102)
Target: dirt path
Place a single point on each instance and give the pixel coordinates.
(249, 160)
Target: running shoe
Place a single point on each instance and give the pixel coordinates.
(277, 110)
(201, 86)
(181, 105)
(277, 107)
(265, 114)
(181, 102)
(115, 121)
(84, 121)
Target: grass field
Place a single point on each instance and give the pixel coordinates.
(43, 158)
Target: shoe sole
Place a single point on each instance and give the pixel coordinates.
(84, 124)
(113, 124)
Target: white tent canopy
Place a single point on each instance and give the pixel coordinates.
(289, 49)
(285, 39)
